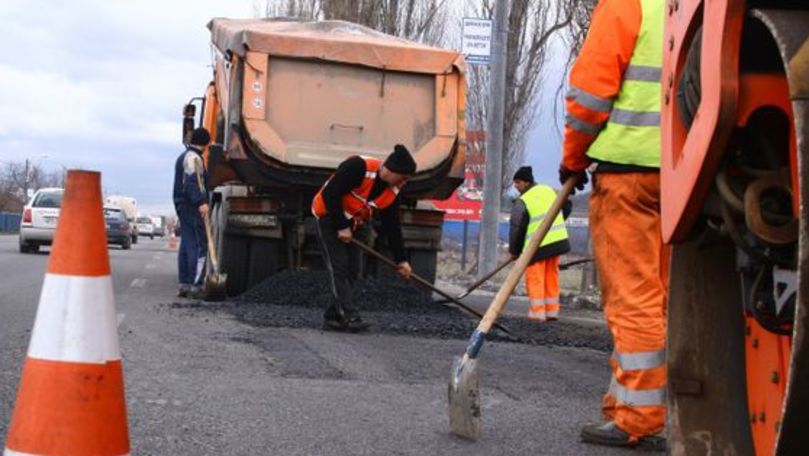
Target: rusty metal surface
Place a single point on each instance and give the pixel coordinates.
(782, 234)
(793, 437)
(791, 32)
(790, 29)
(707, 397)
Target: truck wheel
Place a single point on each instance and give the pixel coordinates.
(127, 244)
(264, 260)
(235, 254)
(424, 263)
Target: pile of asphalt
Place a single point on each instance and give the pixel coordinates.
(298, 299)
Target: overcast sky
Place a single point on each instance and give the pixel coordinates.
(100, 85)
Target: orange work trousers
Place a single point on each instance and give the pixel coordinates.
(632, 264)
(542, 284)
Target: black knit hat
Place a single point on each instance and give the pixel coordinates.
(200, 137)
(524, 174)
(400, 161)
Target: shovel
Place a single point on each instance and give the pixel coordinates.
(464, 388)
(480, 281)
(488, 276)
(421, 281)
(215, 281)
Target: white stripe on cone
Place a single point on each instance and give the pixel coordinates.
(76, 321)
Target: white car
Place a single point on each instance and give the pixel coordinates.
(145, 227)
(39, 219)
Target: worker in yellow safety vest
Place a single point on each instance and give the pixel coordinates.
(542, 274)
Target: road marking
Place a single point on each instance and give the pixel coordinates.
(150, 266)
(138, 283)
(121, 319)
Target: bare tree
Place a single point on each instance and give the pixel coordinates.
(15, 183)
(532, 26)
(417, 20)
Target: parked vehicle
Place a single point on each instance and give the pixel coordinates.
(118, 229)
(145, 227)
(39, 218)
(130, 207)
(290, 101)
(159, 225)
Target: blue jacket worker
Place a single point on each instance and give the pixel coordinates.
(191, 205)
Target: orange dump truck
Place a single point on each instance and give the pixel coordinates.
(288, 102)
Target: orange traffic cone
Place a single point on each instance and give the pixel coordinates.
(71, 395)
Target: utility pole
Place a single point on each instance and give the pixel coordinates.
(487, 257)
(25, 184)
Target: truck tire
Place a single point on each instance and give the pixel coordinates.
(424, 263)
(265, 257)
(233, 262)
(127, 244)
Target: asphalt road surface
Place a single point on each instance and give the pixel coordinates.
(202, 381)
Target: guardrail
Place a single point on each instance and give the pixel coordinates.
(9, 222)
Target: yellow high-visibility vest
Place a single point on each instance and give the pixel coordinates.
(538, 200)
(632, 134)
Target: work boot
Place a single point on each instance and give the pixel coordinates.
(356, 325)
(183, 290)
(611, 435)
(334, 324)
(196, 292)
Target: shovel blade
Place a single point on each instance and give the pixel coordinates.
(216, 286)
(464, 398)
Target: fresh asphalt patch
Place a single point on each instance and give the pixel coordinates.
(298, 299)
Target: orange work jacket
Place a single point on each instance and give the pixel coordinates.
(356, 205)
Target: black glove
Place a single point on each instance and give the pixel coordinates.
(565, 173)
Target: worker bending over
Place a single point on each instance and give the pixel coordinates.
(542, 273)
(346, 202)
(613, 127)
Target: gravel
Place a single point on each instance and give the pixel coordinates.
(297, 300)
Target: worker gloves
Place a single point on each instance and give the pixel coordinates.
(565, 173)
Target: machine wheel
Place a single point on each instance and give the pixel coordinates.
(127, 244)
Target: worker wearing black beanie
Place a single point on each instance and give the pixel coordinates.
(524, 174)
(360, 188)
(400, 161)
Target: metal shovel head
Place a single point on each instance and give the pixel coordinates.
(464, 398)
(216, 286)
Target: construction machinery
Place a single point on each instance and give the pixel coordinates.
(289, 101)
(735, 183)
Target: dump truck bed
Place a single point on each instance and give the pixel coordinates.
(315, 93)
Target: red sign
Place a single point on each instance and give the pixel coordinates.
(466, 203)
(461, 205)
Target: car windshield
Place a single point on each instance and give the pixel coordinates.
(114, 215)
(48, 199)
(144, 220)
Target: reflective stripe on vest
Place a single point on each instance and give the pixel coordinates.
(632, 135)
(538, 199)
(355, 203)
